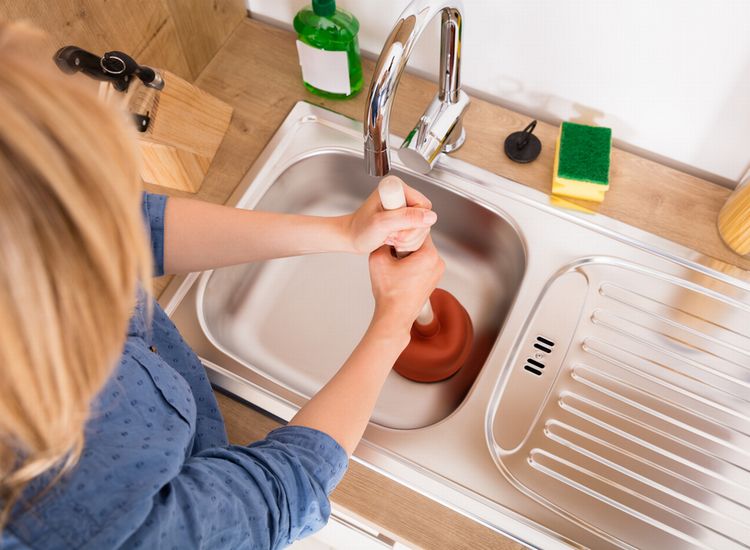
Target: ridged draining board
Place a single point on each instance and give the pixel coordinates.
(628, 407)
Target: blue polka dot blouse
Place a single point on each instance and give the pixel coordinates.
(157, 470)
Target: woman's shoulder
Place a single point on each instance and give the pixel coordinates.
(138, 437)
(144, 388)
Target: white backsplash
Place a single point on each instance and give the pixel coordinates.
(671, 77)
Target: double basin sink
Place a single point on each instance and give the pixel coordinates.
(606, 399)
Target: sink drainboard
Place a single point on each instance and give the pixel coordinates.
(631, 396)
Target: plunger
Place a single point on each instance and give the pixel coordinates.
(442, 334)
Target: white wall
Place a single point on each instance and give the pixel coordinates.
(671, 77)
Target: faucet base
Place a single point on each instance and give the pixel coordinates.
(454, 144)
(438, 130)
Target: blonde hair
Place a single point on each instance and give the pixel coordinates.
(72, 251)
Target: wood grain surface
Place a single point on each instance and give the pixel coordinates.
(203, 26)
(142, 28)
(179, 35)
(734, 220)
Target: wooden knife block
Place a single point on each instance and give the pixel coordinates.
(186, 126)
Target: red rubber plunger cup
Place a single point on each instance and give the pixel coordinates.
(438, 350)
(440, 345)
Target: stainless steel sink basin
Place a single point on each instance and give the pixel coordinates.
(298, 319)
(606, 402)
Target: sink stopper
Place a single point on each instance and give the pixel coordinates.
(523, 146)
(442, 335)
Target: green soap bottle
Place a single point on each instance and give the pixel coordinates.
(329, 50)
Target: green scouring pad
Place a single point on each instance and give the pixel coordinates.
(582, 161)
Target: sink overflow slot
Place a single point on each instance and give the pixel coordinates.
(532, 365)
(542, 344)
(545, 341)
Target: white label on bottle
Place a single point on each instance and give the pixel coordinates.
(325, 70)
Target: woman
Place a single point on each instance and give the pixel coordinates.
(110, 435)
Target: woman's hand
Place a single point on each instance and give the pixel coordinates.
(401, 286)
(371, 227)
(344, 405)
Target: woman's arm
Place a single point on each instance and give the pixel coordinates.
(200, 235)
(343, 407)
(264, 495)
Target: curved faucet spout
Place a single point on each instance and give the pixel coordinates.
(439, 129)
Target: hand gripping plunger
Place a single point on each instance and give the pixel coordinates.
(441, 337)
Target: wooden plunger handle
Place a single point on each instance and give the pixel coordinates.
(392, 197)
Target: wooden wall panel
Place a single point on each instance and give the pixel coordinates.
(203, 26)
(178, 35)
(163, 50)
(88, 23)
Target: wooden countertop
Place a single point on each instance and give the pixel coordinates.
(257, 72)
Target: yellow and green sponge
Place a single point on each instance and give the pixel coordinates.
(582, 161)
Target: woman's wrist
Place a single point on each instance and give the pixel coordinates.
(340, 233)
(390, 329)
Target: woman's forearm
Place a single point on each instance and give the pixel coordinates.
(343, 407)
(200, 235)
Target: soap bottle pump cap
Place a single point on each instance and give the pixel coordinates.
(324, 8)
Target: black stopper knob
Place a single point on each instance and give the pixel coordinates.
(523, 146)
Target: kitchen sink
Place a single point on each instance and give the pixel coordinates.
(606, 401)
(298, 319)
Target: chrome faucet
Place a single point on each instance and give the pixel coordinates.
(440, 128)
